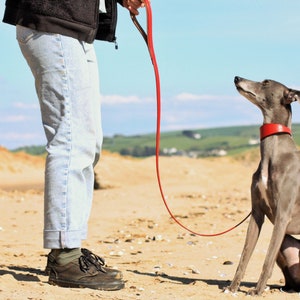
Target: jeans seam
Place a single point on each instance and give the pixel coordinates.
(68, 103)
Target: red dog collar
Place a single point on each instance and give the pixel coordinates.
(270, 129)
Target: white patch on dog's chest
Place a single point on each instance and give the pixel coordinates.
(264, 180)
(263, 186)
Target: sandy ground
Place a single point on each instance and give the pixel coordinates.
(131, 228)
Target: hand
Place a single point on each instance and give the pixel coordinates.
(133, 5)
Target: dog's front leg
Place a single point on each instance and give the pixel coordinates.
(278, 234)
(253, 231)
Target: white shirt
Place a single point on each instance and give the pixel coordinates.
(102, 6)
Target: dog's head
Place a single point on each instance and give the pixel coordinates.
(272, 97)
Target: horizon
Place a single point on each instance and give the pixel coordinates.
(151, 133)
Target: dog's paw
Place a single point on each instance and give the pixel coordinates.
(227, 290)
(257, 292)
(252, 292)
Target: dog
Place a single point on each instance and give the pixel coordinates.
(275, 188)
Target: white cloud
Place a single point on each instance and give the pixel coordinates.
(14, 119)
(119, 99)
(192, 97)
(22, 105)
(195, 97)
(15, 136)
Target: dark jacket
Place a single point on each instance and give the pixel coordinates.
(79, 19)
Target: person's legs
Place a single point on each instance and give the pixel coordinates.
(67, 84)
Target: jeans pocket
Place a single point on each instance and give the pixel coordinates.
(25, 34)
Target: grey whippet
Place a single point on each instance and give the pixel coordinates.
(275, 189)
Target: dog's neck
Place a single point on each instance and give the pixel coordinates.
(273, 128)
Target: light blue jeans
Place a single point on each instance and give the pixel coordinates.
(67, 84)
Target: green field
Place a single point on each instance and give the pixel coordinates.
(233, 140)
(198, 143)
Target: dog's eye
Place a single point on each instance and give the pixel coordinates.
(265, 82)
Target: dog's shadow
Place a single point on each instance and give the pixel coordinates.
(221, 284)
(22, 273)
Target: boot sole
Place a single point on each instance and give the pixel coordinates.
(117, 275)
(112, 286)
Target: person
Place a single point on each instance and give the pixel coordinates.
(56, 39)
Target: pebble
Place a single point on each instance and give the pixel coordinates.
(222, 275)
(158, 238)
(194, 269)
(119, 253)
(190, 243)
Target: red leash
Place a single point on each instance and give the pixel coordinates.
(148, 37)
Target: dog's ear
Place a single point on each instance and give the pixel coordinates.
(291, 95)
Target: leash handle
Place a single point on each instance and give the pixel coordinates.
(148, 38)
(139, 27)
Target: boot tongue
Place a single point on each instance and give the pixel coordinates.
(272, 128)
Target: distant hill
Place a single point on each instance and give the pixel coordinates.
(196, 143)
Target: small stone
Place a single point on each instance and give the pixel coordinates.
(158, 237)
(194, 270)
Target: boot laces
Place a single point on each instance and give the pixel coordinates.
(89, 259)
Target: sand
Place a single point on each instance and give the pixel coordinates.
(131, 228)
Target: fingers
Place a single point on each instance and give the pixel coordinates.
(134, 5)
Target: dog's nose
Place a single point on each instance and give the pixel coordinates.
(237, 79)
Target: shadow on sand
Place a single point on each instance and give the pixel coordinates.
(221, 284)
(22, 273)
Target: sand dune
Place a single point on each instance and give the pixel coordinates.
(131, 228)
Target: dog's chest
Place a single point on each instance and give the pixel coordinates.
(264, 200)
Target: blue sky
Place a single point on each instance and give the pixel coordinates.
(200, 47)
